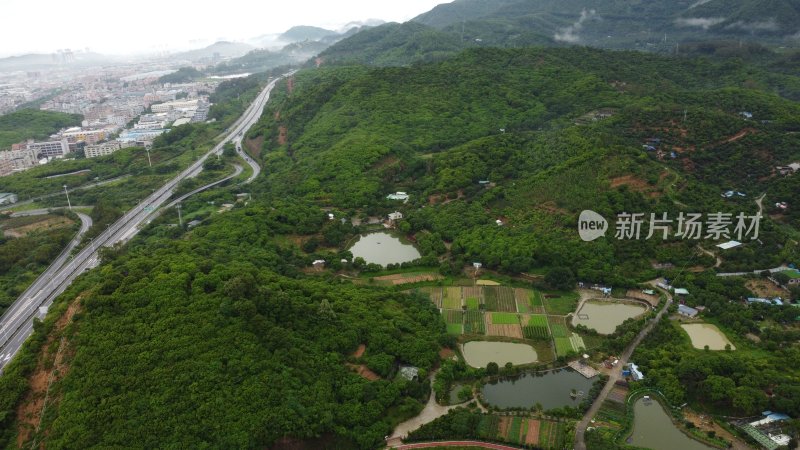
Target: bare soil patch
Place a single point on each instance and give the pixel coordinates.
(50, 368)
(634, 183)
(364, 372)
(739, 135)
(502, 427)
(765, 288)
(532, 438)
(446, 353)
(506, 330)
(705, 423)
(47, 223)
(254, 146)
(400, 278)
(639, 295)
(753, 337)
(360, 351)
(283, 135)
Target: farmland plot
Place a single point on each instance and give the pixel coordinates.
(474, 323)
(535, 327)
(504, 324)
(505, 299)
(452, 298)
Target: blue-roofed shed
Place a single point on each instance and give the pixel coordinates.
(687, 311)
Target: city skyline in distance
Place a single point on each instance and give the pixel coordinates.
(150, 26)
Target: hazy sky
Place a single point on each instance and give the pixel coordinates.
(153, 25)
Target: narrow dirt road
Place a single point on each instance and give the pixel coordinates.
(431, 412)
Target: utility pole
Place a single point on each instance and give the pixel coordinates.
(67, 194)
(147, 149)
(180, 218)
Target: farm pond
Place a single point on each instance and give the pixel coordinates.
(481, 353)
(703, 334)
(383, 248)
(553, 389)
(652, 428)
(604, 317)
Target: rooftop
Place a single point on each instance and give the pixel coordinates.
(729, 245)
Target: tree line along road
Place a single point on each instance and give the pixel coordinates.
(16, 324)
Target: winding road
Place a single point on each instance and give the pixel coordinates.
(615, 375)
(248, 160)
(16, 324)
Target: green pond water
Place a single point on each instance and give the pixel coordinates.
(383, 248)
(653, 428)
(551, 389)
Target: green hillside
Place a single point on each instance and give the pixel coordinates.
(352, 135)
(393, 44)
(33, 124)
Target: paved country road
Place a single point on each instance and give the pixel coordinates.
(17, 322)
(616, 374)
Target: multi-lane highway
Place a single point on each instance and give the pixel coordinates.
(31, 294)
(16, 324)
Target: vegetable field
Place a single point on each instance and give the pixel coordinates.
(452, 298)
(536, 327)
(473, 323)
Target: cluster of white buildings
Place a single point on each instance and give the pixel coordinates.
(110, 100)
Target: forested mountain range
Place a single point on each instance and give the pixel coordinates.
(654, 26)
